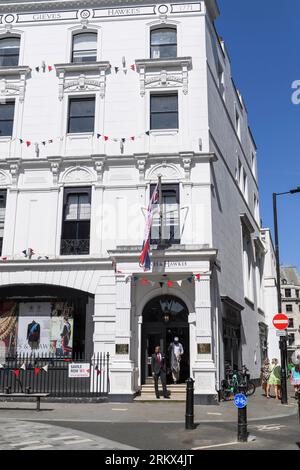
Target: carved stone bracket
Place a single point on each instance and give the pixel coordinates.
(164, 73)
(13, 82)
(82, 77)
(55, 167)
(186, 160)
(99, 163)
(140, 161)
(14, 168)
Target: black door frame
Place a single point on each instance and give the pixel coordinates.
(160, 329)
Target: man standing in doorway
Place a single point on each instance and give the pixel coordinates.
(159, 369)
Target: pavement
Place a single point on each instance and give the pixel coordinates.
(147, 426)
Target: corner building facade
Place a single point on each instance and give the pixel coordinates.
(98, 99)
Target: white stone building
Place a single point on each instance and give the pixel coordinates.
(290, 292)
(99, 98)
(270, 348)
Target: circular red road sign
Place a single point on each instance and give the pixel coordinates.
(281, 321)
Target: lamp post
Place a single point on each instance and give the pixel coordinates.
(283, 339)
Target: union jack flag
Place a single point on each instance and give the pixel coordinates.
(145, 261)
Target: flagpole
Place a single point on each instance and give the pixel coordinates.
(161, 216)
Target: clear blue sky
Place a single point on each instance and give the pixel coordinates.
(263, 40)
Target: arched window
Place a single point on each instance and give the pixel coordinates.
(163, 43)
(84, 47)
(9, 51)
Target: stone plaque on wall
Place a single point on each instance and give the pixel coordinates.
(204, 348)
(122, 349)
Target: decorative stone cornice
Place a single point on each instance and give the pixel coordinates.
(88, 77)
(164, 73)
(13, 81)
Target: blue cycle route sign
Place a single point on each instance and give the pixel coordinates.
(240, 401)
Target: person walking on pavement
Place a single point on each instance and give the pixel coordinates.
(176, 351)
(265, 375)
(159, 370)
(295, 379)
(274, 379)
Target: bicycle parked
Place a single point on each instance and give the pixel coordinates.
(234, 380)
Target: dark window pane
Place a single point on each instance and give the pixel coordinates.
(163, 52)
(83, 230)
(164, 121)
(69, 230)
(6, 128)
(81, 125)
(163, 36)
(7, 111)
(83, 107)
(9, 51)
(164, 103)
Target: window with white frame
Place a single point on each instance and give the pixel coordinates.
(253, 163)
(75, 237)
(247, 264)
(238, 124)
(7, 113)
(9, 51)
(163, 111)
(259, 269)
(221, 80)
(256, 209)
(84, 47)
(81, 115)
(163, 43)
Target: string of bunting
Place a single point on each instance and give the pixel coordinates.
(17, 372)
(169, 282)
(28, 254)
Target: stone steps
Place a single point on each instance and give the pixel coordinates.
(176, 393)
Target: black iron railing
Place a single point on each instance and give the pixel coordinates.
(75, 247)
(53, 375)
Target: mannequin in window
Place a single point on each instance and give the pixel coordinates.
(33, 334)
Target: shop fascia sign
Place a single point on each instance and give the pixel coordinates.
(90, 14)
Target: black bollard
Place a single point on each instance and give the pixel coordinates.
(242, 425)
(189, 415)
(242, 421)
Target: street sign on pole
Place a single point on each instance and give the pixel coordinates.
(281, 321)
(280, 333)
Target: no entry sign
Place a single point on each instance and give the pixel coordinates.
(281, 321)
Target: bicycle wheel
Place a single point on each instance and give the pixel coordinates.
(250, 389)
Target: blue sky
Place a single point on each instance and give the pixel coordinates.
(263, 40)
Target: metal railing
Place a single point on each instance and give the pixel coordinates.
(51, 374)
(75, 247)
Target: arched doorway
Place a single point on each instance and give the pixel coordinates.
(164, 318)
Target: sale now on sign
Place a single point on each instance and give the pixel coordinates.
(79, 371)
(281, 321)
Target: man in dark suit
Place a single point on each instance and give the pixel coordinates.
(159, 369)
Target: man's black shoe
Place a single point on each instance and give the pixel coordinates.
(158, 397)
(168, 398)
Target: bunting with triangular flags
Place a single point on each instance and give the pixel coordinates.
(23, 366)
(45, 368)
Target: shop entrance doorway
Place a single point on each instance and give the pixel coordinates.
(164, 318)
